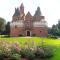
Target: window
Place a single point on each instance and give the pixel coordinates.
(40, 31)
(15, 26)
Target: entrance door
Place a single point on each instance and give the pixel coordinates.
(28, 33)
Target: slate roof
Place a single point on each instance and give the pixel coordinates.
(17, 12)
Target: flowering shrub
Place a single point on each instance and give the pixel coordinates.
(27, 53)
(44, 52)
(15, 56)
(9, 50)
(14, 51)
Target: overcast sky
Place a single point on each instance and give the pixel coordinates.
(49, 8)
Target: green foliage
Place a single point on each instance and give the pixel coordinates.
(48, 51)
(55, 30)
(37, 40)
(15, 57)
(39, 53)
(52, 36)
(58, 24)
(27, 53)
(2, 24)
(1, 55)
(8, 50)
(44, 52)
(8, 28)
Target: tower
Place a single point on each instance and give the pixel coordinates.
(22, 9)
(22, 12)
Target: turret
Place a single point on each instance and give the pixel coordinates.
(22, 9)
(38, 12)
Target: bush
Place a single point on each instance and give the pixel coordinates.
(44, 52)
(14, 52)
(9, 51)
(48, 51)
(21, 35)
(52, 36)
(5, 36)
(27, 53)
(39, 53)
(3, 54)
(15, 57)
(34, 35)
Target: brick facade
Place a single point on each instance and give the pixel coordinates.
(27, 25)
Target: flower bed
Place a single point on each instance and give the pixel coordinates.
(13, 51)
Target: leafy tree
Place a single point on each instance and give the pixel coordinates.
(55, 30)
(2, 24)
(58, 24)
(8, 28)
(58, 28)
(49, 30)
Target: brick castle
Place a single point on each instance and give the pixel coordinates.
(28, 25)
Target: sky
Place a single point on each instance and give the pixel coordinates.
(49, 8)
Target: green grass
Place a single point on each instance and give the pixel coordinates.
(38, 40)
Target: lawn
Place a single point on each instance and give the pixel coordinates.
(38, 41)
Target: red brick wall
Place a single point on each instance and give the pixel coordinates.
(40, 31)
(43, 32)
(38, 18)
(16, 31)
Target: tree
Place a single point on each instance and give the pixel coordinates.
(58, 27)
(8, 28)
(49, 30)
(2, 24)
(58, 24)
(54, 30)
